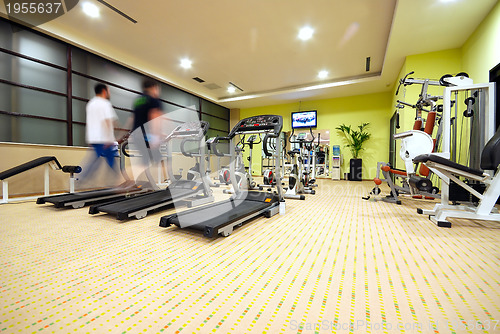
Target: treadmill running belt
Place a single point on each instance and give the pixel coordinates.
(80, 199)
(211, 218)
(224, 212)
(123, 209)
(59, 200)
(143, 201)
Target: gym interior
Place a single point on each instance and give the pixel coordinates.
(329, 166)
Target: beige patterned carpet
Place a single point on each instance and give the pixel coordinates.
(332, 263)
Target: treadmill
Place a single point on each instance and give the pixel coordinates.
(80, 199)
(191, 192)
(220, 218)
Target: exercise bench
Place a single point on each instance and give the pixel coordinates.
(448, 170)
(49, 161)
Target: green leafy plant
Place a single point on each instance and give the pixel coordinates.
(355, 138)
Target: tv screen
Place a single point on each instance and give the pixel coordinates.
(304, 119)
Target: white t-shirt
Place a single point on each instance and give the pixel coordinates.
(98, 131)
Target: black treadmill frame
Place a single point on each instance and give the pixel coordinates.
(200, 192)
(225, 228)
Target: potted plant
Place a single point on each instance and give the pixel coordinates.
(355, 140)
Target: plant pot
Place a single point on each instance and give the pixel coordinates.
(355, 170)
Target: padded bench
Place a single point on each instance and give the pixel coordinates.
(448, 171)
(29, 165)
(48, 161)
(423, 158)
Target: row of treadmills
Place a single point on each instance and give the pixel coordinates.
(135, 200)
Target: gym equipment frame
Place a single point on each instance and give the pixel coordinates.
(448, 170)
(49, 161)
(221, 217)
(192, 192)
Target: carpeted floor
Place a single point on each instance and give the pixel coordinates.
(332, 263)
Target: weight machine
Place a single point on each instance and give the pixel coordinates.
(416, 183)
(449, 170)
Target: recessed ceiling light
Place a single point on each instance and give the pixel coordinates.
(306, 33)
(186, 63)
(323, 74)
(90, 9)
(231, 89)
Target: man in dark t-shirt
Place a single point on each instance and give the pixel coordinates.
(145, 135)
(147, 108)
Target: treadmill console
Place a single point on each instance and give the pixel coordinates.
(191, 128)
(261, 123)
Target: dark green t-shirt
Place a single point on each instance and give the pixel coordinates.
(142, 106)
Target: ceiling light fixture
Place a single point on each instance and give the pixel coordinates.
(116, 10)
(306, 33)
(323, 74)
(233, 87)
(286, 90)
(186, 63)
(90, 9)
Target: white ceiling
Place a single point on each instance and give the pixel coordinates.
(254, 44)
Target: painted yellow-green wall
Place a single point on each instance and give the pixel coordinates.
(431, 66)
(481, 51)
(477, 56)
(352, 110)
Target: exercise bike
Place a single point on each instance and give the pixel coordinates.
(269, 147)
(298, 178)
(310, 171)
(244, 178)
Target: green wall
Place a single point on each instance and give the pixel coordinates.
(432, 66)
(481, 52)
(477, 56)
(352, 110)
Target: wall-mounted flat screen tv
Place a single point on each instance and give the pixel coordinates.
(304, 119)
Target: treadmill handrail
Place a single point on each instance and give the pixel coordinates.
(265, 145)
(213, 146)
(189, 154)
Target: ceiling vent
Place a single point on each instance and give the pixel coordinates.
(212, 86)
(200, 80)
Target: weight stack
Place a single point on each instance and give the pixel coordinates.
(355, 170)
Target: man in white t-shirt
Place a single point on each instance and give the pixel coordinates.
(100, 135)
